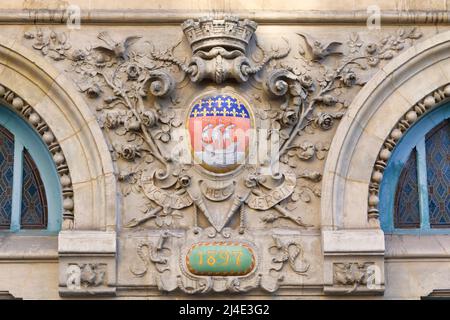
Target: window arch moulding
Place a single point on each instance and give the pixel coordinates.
(426, 109)
(19, 106)
(410, 132)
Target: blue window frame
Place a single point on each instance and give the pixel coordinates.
(34, 203)
(415, 187)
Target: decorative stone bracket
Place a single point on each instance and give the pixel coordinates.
(87, 263)
(353, 262)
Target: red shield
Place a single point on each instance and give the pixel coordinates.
(219, 132)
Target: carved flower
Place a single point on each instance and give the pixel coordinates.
(133, 71)
(306, 80)
(348, 77)
(371, 48)
(325, 121)
(132, 123)
(93, 91)
(290, 117)
(129, 152)
(111, 119)
(79, 55)
(149, 118)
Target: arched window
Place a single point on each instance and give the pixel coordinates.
(415, 191)
(30, 195)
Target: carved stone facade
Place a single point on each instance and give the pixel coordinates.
(148, 212)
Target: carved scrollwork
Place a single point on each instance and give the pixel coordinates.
(154, 253)
(277, 82)
(288, 251)
(161, 83)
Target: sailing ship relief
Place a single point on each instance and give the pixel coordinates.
(219, 131)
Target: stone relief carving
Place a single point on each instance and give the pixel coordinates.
(143, 94)
(352, 274)
(18, 104)
(409, 118)
(53, 45)
(219, 50)
(288, 251)
(85, 275)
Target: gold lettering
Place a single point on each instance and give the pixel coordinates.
(237, 255)
(200, 260)
(211, 259)
(226, 257)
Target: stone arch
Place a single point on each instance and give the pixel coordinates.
(77, 134)
(416, 78)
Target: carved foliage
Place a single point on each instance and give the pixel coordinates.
(351, 274)
(85, 275)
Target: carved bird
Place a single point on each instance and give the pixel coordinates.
(320, 50)
(114, 48)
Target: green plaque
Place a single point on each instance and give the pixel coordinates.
(220, 259)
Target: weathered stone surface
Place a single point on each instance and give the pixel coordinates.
(117, 100)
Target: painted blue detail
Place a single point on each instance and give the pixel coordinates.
(219, 105)
(17, 184)
(6, 176)
(407, 197)
(33, 211)
(414, 138)
(438, 175)
(422, 178)
(26, 137)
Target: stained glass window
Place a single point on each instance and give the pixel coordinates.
(23, 204)
(438, 175)
(34, 204)
(415, 190)
(6, 176)
(407, 196)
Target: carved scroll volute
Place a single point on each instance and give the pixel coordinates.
(278, 81)
(161, 83)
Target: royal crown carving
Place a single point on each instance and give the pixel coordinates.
(219, 47)
(229, 33)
